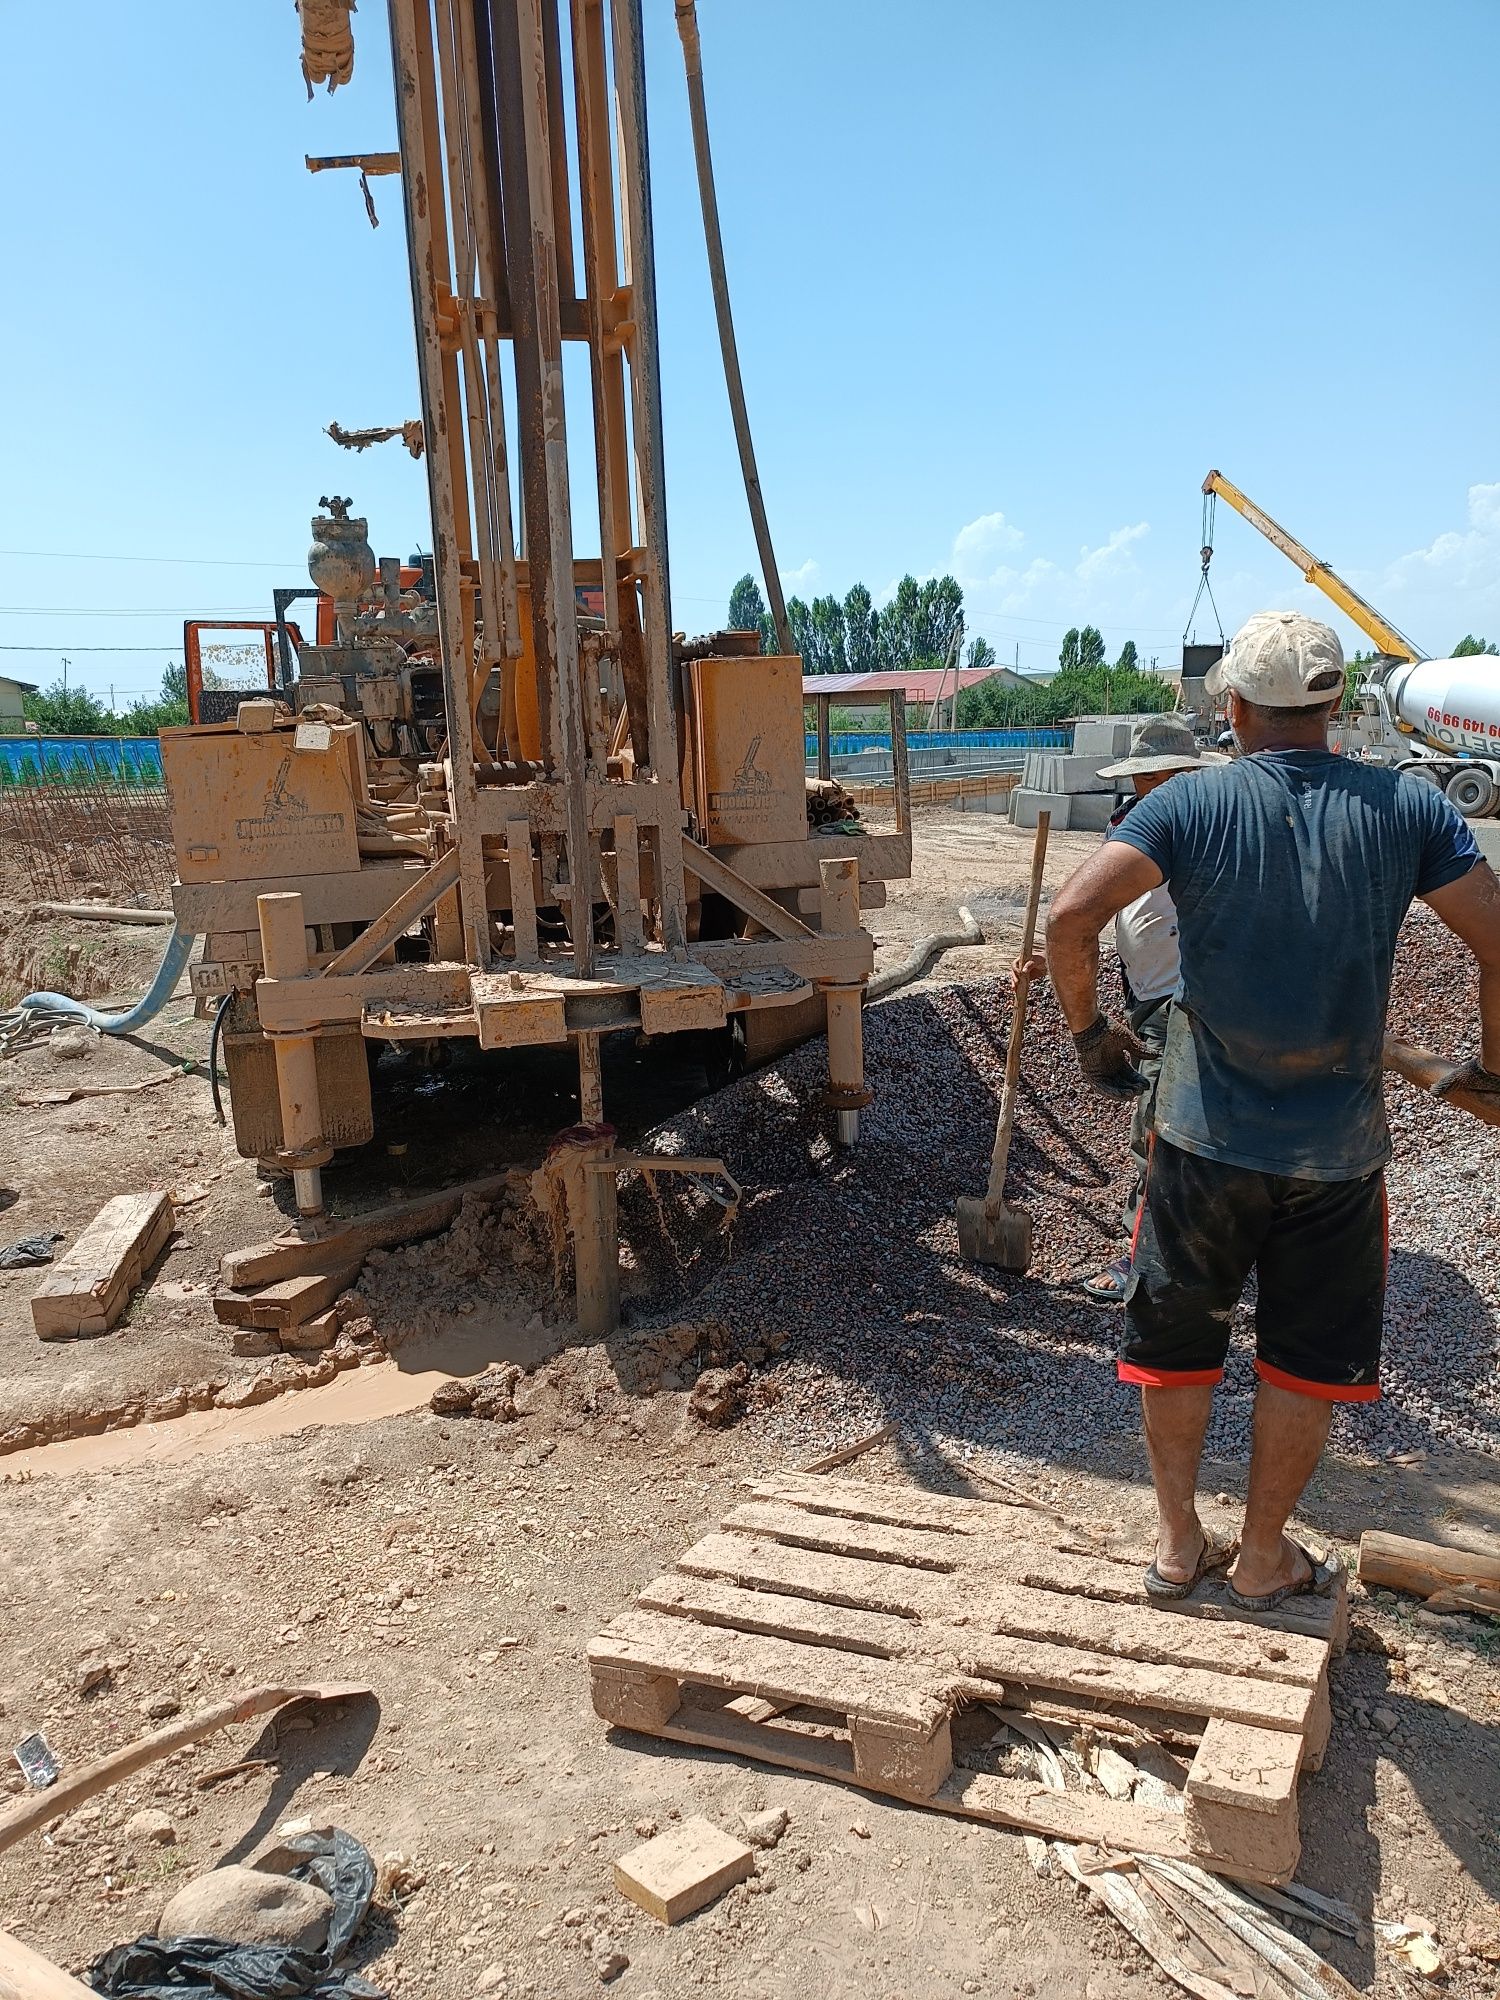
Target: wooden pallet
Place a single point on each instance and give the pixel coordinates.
(843, 1628)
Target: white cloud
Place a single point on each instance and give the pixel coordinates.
(1457, 562)
(979, 546)
(803, 576)
(1111, 558)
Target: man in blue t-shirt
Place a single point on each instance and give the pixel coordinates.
(1291, 870)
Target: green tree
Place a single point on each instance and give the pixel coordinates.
(827, 617)
(1468, 646)
(1129, 660)
(168, 711)
(1090, 647)
(980, 654)
(898, 626)
(747, 608)
(1067, 659)
(859, 631)
(61, 710)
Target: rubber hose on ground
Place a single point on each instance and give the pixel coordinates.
(61, 1007)
(926, 950)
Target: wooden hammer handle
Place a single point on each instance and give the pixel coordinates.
(1000, 1156)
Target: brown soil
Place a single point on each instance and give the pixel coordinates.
(403, 1549)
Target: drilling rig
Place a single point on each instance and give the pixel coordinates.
(497, 797)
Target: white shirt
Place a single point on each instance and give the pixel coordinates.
(1146, 939)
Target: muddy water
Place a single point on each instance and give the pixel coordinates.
(359, 1396)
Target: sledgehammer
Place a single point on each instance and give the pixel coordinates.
(989, 1230)
(1435, 1074)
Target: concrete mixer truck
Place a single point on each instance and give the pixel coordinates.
(1438, 720)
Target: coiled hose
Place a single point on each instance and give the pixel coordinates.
(40, 1011)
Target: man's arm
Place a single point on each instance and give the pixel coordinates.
(1470, 907)
(1093, 894)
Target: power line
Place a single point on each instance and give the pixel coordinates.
(194, 562)
(166, 646)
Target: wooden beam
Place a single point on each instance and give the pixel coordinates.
(403, 913)
(89, 1287)
(26, 1975)
(403, 1222)
(1456, 1578)
(718, 875)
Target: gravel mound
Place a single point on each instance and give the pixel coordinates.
(855, 1258)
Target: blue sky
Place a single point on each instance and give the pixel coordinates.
(1008, 280)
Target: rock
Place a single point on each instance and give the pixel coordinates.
(645, 1829)
(70, 1043)
(608, 1959)
(247, 1906)
(491, 1977)
(262, 1388)
(313, 1336)
(157, 1707)
(90, 1675)
(764, 1829)
(858, 1828)
(719, 1394)
(452, 1399)
(253, 1341)
(1385, 1720)
(151, 1827)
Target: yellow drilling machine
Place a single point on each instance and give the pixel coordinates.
(496, 797)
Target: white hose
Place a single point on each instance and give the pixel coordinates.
(923, 953)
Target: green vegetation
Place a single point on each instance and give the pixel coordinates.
(61, 710)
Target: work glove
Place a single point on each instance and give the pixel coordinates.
(1105, 1053)
(1474, 1080)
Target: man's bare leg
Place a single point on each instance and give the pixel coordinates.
(1290, 1433)
(1175, 1421)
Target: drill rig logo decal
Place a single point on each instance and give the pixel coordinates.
(750, 795)
(285, 815)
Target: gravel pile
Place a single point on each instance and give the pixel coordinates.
(855, 1259)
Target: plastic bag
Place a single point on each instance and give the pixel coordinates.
(200, 1968)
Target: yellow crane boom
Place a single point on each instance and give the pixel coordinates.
(1387, 638)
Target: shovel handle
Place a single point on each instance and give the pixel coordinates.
(1000, 1156)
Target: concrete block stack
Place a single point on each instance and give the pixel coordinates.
(1067, 783)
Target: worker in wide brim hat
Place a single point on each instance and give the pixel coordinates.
(1291, 869)
(1161, 747)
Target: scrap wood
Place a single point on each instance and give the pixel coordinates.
(207, 1779)
(846, 1452)
(1458, 1579)
(32, 1099)
(293, 1256)
(25, 1815)
(88, 1289)
(26, 1975)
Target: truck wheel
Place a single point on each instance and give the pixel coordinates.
(1472, 791)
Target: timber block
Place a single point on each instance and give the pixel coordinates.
(683, 1869)
(635, 1701)
(89, 1287)
(1242, 1798)
(901, 1760)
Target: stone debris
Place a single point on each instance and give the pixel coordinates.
(764, 1829)
(151, 1828)
(885, 1319)
(719, 1394)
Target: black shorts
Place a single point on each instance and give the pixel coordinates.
(1318, 1249)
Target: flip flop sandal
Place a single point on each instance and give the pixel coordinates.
(1215, 1554)
(1111, 1285)
(1318, 1582)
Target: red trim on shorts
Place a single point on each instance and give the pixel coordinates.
(1168, 1378)
(1325, 1392)
(1140, 1208)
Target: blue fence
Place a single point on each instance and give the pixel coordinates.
(35, 760)
(851, 743)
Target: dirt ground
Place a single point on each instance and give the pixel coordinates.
(460, 1569)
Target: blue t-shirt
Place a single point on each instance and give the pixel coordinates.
(1291, 871)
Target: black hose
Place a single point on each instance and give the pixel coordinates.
(213, 1056)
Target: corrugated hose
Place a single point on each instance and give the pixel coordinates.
(38, 1013)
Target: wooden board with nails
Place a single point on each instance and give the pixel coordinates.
(844, 1627)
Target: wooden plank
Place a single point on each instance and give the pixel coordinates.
(789, 864)
(953, 1650)
(1013, 1802)
(26, 1975)
(412, 903)
(292, 1006)
(1431, 1569)
(1238, 1765)
(1017, 1557)
(938, 1513)
(292, 1302)
(643, 1642)
(629, 931)
(403, 1222)
(683, 1869)
(88, 1288)
(986, 1604)
(352, 896)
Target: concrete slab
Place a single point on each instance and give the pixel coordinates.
(1027, 802)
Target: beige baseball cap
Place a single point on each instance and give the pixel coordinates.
(1280, 659)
